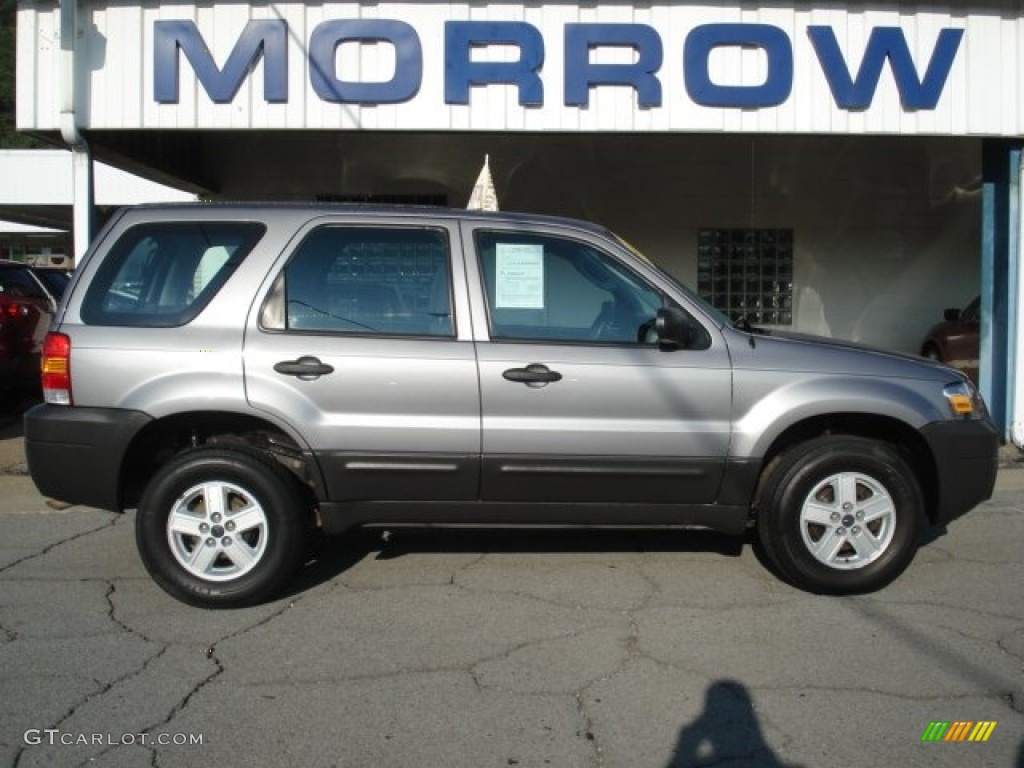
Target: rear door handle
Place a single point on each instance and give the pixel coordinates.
(306, 368)
(533, 375)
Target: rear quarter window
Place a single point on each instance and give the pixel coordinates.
(163, 275)
(16, 282)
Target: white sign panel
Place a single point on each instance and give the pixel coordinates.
(658, 66)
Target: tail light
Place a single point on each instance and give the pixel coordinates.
(13, 312)
(14, 309)
(56, 369)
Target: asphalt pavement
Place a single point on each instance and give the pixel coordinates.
(508, 648)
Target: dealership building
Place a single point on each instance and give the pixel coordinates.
(845, 169)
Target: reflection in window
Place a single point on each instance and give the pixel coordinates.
(555, 289)
(369, 280)
(163, 275)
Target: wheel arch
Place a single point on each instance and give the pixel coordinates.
(162, 439)
(906, 440)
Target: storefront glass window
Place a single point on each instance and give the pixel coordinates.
(747, 273)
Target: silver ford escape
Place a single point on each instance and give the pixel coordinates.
(243, 374)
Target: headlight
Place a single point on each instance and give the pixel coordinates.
(964, 400)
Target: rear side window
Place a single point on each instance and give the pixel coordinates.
(16, 282)
(365, 281)
(163, 275)
(55, 281)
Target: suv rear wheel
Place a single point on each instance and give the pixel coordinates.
(220, 528)
(840, 515)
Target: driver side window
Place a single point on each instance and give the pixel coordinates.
(546, 288)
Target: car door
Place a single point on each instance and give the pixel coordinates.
(362, 343)
(580, 403)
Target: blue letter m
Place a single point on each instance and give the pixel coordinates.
(885, 43)
(267, 38)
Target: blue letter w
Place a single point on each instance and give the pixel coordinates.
(885, 43)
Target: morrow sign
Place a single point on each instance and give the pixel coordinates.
(920, 84)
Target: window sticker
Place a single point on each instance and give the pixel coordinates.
(519, 280)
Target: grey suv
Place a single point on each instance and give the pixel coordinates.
(243, 374)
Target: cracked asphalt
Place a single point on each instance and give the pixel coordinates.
(505, 648)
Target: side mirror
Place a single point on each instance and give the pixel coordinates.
(951, 315)
(673, 327)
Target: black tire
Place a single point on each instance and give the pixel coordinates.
(809, 515)
(229, 564)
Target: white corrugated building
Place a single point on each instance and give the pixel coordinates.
(847, 169)
(37, 186)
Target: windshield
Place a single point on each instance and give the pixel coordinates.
(720, 318)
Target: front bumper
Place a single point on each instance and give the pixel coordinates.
(75, 454)
(966, 456)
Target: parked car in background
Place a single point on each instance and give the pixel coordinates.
(54, 279)
(954, 341)
(28, 300)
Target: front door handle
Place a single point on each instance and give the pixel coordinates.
(306, 368)
(533, 375)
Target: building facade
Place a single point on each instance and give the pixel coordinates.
(845, 169)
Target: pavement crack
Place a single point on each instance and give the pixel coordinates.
(187, 698)
(102, 689)
(1004, 697)
(106, 687)
(50, 547)
(1016, 701)
(112, 615)
(1001, 644)
(465, 567)
(588, 732)
(183, 703)
(211, 653)
(933, 605)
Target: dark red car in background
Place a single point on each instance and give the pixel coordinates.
(28, 299)
(955, 340)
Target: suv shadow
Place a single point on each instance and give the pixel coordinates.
(329, 557)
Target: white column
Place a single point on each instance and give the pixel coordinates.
(81, 158)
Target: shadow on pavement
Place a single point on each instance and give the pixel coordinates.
(329, 556)
(12, 447)
(726, 731)
(11, 425)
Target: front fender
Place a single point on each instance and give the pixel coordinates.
(774, 403)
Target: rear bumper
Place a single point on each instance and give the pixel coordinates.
(966, 455)
(75, 454)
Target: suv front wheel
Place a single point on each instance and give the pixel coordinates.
(840, 515)
(221, 528)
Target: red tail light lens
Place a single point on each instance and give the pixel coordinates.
(12, 309)
(56, 369)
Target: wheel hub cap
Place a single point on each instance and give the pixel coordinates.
(848, 520)
(198, 527)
